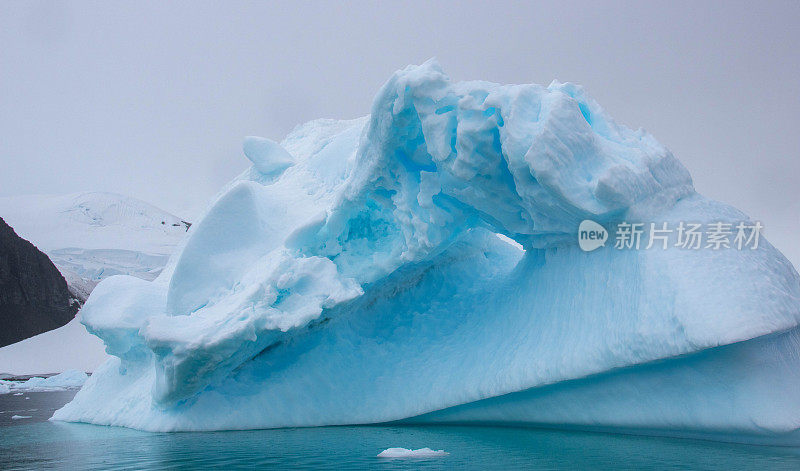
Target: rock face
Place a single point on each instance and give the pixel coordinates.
(33, 294)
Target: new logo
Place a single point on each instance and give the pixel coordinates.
(591, 235)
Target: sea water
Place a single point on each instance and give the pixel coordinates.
(36, 443)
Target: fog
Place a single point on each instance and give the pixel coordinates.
(152, 100)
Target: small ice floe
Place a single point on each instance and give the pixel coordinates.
(17, 417)
(70, 379)
(406, 453)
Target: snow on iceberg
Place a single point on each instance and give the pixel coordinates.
(361, 279)
(406, 453)
(268, 156)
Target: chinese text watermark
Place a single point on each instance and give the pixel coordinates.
(683, 235)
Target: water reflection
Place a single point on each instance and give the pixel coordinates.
(80, 446)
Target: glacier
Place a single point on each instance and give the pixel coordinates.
(421, 265)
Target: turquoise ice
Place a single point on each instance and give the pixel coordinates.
(355, 275)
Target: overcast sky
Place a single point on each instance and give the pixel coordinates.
(153, 100)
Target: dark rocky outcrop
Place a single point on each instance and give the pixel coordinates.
(33, 295)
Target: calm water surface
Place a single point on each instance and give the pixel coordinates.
(35, 443)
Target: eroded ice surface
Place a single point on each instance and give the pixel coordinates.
(353, 275)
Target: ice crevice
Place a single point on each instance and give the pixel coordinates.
(353, 275)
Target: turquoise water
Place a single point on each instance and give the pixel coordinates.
(36, 443)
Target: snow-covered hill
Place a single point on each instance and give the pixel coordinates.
(92, 235)
(89, 236)
(92, 220)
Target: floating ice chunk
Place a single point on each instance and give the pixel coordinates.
(4, 389)
(66, 380)
(406, 453)
(69, 379)
(267, 156)
(18, 417)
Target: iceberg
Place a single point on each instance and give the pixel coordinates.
(70, 379)
(421, 265)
